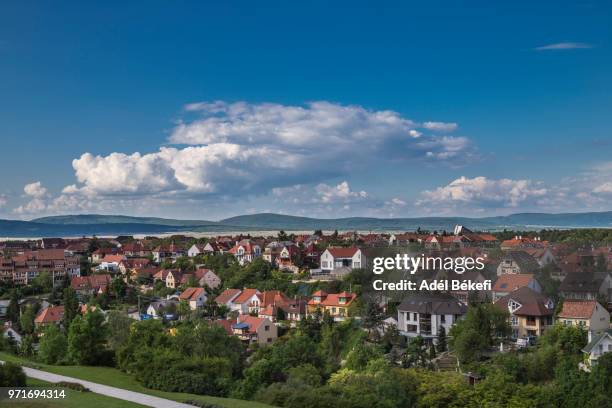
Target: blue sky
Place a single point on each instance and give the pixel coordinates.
(319, 110)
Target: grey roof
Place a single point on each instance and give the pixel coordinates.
(596, 339)
(432, 303)
(583, 282)
(526, 262)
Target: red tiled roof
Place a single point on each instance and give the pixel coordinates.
(226, 295)
(578, 309)
(252, 321)
(343, 252)
(191, 293)
(51, 314)
(245, 295)
(510, 282)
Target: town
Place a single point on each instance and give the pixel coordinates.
(274, 318)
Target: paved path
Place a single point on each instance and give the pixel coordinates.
(119, 393)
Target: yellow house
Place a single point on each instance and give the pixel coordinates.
(336, 304)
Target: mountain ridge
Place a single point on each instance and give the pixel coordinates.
(90, 224)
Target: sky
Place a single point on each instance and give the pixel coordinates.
(212, 109)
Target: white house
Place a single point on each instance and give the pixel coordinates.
(423, 314)
(597, 347)
(337, 258)
(196, 297)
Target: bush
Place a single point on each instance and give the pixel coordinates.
(12, 375)
(73, 386)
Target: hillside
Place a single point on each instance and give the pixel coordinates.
(90, 224)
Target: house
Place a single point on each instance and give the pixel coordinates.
(599, 345)
(425, 314)
(588, 314)
(100, 253)
(196, 297)
(245, 251)
(110, 263)
(511, 282)
(163, 309)
(10, 333)
(520, 242)
(587, 286)
(49, 315)
(286, 258)
(445, 242)
(227, 297)
(531, 313)
(336, 304)
(342, 258)
(247, 302)
(251, 329)
(174, 278)
(404, 239)
(127, 265)
(167, 252)
(206, 277)
(90, 285)
(543, 256)
(515, 262)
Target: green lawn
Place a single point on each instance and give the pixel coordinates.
(74, 399)
(116, 378)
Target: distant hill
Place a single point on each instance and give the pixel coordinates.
(117, 219)
(90, 224)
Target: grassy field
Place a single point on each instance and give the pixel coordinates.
(74, 399)
(116, 378)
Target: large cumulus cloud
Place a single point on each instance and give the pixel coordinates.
(242, 148)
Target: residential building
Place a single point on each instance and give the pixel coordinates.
(425, 314)
(599, 345)
(195, 297)
(21, 269)
(245, 251)
(515, 262)
(531, 313)
(251, 329)
(587, 286)
(342, 258)
(90, 285)
(49, 315)
(511, 282)
(227, 297)
(588, 314)
(336, 304)
(168, 252)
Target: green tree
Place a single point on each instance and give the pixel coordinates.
(12, 375)
(71, 307)
(118, 325)
(27, 319)
(118, 288)
(53, 345)
(13, 312)
(86, 339)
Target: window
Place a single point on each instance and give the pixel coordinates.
(443, 319)
(269, 340)
(514, 321)
(267, 328)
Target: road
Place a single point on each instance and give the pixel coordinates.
(114, 392)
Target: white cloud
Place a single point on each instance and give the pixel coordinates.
(564, 46)
(3, 201)
(35, 190)
(440, 126)
(243, 149)
(605, 188)
(341, 192)
(483, 192)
